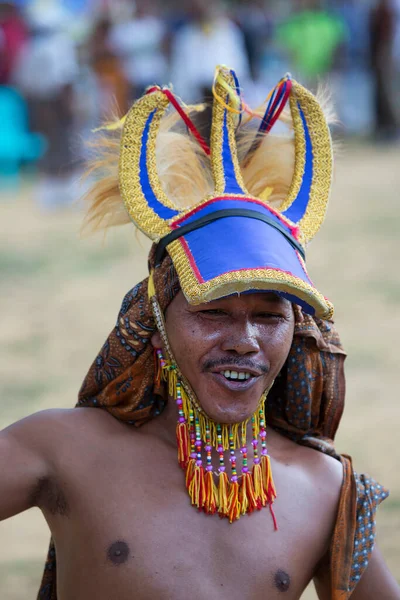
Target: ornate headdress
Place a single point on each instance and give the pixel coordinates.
(229, 242)
(225, 241)
(232, 241)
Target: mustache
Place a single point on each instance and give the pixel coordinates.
(237, 361)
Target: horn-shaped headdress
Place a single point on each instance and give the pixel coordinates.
(231, 241)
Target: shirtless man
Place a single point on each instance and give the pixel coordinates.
(113, 497)
(114, 501)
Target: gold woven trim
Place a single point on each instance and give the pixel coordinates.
(300, 152)
(322, 161)
(236, 282)
(155, 227)
(129, 170)
(217, 138)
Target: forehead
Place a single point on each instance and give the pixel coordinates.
(252, 298)
(244, 301)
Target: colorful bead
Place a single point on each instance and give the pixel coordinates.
(220, 449)
(263, 433)
(233, 456)
(192, 434)
(179, 403)
(254, 443)
(198, 442)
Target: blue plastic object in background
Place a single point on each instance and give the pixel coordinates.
(17, 144)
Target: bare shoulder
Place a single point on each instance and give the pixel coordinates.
(318, 471)
(321, 464)
(325, 472)
(49, 428)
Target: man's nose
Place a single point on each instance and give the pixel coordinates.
(241, 338)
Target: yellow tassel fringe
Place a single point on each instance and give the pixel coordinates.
(230, 499)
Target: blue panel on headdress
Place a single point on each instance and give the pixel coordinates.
(295, 300)
(231, 184)
(223, 245)
(297, 209)
(162, 211)
(292, 299)
(237, 87)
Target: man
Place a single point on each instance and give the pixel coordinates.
(223, 328)
(382, 40)
(210, 33)
(51, 52)
(312, 37)
(138, 41)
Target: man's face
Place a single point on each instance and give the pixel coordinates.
(230, 350)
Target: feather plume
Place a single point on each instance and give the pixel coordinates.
(184, 169)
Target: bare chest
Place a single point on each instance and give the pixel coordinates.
(130, 532)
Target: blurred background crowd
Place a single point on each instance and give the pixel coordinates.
(66, 65)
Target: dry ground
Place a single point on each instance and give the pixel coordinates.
(60, 295)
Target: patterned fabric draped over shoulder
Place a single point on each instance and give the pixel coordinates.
(305, 404)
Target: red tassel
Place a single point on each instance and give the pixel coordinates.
(271, 510)
(271, 491)
(247, 499)
(197, 488)
(233, 502)
(186, 119)
(182, 440)
(210, 505)
(268, 482)
(259, 492)
(269, 486)
(190, 472)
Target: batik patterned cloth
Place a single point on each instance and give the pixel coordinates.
(305, 404)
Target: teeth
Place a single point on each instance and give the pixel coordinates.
(235, 375)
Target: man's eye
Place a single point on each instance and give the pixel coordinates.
(267, 315)
(213, 312)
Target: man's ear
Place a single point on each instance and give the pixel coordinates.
(156, 340)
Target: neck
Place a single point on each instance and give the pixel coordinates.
(231, 482)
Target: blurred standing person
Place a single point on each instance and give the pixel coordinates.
(111, 82)
(13, 36)
(312, 37)
(351, 83)
(383, 31)
(355, 16)
(139, 42)
(210, 37)
(256, 22)
(46, 73)
(397, 39)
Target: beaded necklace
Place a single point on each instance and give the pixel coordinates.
(197, 436)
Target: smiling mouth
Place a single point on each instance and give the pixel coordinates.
(235, 380)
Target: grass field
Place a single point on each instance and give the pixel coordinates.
(60, 296)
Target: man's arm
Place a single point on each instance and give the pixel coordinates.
(23, 462)
(376, 582)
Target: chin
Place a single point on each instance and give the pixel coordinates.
(234, 411)
(228, 406)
